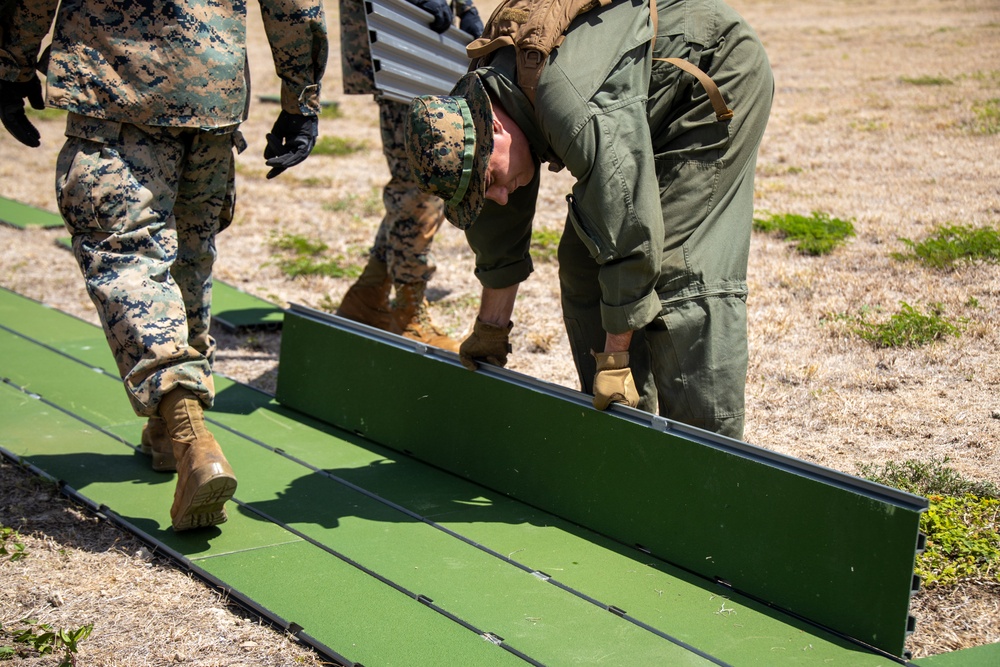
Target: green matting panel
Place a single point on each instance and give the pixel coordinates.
(828, 547)
(979, 656)
(20, 215)
(235, 309)
(380, 558)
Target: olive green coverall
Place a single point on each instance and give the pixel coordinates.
(658, 230)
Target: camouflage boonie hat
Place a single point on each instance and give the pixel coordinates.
(449, 140)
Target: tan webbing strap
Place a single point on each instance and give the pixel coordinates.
(722, 110)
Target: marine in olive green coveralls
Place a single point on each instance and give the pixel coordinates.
(658, 230)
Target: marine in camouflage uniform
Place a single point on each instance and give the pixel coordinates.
(155, 92)
(401, 254)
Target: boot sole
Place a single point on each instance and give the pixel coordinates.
(213, 487)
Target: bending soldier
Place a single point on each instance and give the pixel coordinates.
(653, 259)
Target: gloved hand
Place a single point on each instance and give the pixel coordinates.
(12, 96)
(291, 140)
(613, 382)
(471, 23)
(440, 10)
(488, 343)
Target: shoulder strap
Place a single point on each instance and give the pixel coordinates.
(722, 110)
(534, 28)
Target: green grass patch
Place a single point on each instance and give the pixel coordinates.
(817, 234)
(927, 80)
(38, 639)
(908, 328)
(962, 522)
(339, 146)
(46, 115)
(545, 244)
(367, 206)
(302, 256)
(331, 111)
(987, 116)
(11, 546)
(952, 244)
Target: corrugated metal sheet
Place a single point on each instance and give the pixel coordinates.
(411, 59)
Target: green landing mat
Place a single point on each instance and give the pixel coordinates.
(237, 310)
(20, 215)
(978, 656)
(812, 541)
(232, 308)
(379, 558)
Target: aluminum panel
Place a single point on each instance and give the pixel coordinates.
(410, 59)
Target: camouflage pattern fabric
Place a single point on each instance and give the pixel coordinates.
(449, 140)
(412, 217)
(156, 90)
(143, 205)
(173, 63)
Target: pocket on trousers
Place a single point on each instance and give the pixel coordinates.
(228, 211)
(78, 188)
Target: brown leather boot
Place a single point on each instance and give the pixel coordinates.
(414, 317)
(367, 300)
(156, 443)
(205, 482)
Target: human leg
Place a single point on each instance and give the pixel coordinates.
(401, 253)
(412, 218)
(117, 186)
(705, 169)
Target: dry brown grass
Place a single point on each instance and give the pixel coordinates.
(848, 135)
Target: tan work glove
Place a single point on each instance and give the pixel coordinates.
(487, 343)
(613, 382)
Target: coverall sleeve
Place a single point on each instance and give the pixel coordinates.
(23, 25)
(615, 205)
(297, 33)
(501, 238)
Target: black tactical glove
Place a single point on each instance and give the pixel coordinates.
(439, 10)
(471, 23)
(12, 96)
(613, 382)
(488, 343)
(291, 140)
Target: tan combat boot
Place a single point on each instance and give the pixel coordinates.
(367, 300)
(414, 318)
(205, 482)
(156, 443)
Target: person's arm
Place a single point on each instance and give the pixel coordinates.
(296, 31)
(497, 305)
(617, 342)
(501, 239)
(489, 341)
(22, 27)
(469, 20)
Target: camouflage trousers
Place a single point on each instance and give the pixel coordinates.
(403, 241)
(143, 205)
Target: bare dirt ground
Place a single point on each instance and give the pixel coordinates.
(853, 133)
